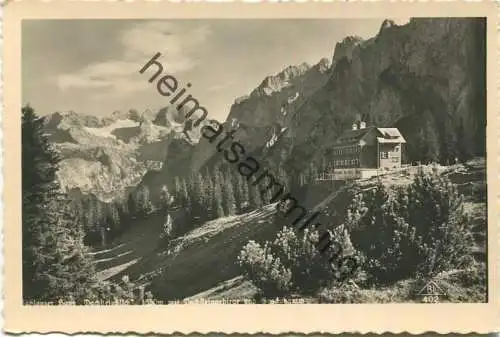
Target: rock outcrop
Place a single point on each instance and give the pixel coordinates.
(260, 116)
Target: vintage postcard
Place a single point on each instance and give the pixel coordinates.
(208, 167)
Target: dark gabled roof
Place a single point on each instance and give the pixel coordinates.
(352, 136)
(385, 135)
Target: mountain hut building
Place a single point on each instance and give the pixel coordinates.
(363, 152)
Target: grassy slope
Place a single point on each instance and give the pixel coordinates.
(194, 262)
(201, 263)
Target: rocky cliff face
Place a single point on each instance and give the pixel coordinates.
(434, 66)
(264, 114)
(274, 99)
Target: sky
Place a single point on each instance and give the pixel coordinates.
(92, 66)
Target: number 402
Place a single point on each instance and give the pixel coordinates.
(430, 299)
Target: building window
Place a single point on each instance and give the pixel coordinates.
(396, 149)
(384, 155)
(395, 159)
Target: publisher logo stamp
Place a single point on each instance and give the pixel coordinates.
(431, 293)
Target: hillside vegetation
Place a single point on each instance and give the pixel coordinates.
(203, 262)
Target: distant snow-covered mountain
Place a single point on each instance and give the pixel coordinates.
(109, 156)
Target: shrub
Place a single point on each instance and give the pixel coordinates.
(300, 253)
(293, 263)
(264, 269)
(479, 191)
(121, 293)
(421, 230)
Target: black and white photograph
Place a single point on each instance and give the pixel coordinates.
(254, 161)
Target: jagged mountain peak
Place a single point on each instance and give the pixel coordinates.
(323, 65)
(241, 99)
(170, 115)
(276, 82)
(67, 119)
(345, 48)
(387, 23)
(279, 94)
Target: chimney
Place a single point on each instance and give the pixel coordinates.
(355, 126)
(362, 125)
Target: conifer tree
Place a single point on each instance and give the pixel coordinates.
(94, 217)
(209, 186)
(77, 206)
(429, 150)
(124, 214)
(54, 262)
(146, 200)
(142, 200)
(113, 216)
(463, 146)
(323, 164)
(245, 197)
(201, 192)
(131, 205)
(255, 197)
(228, 195)
(185, 193)
(94, 214)
(313, 172)
(449, 143)
(195, 194)
(178, 192)
(166, 198)
(190, 188)
(238, 190)
(284, 179)
(217, 209)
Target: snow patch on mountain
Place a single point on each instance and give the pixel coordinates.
(107, 131)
